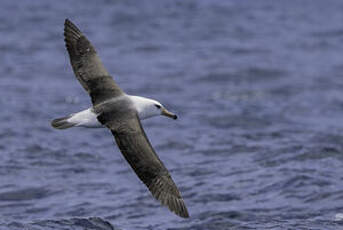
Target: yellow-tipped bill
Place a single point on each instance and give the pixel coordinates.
(168, 114)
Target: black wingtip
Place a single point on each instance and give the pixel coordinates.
(67, 23)
(164, 190)
(71, 34)
(183, 212)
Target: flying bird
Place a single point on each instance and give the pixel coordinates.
(121, 113)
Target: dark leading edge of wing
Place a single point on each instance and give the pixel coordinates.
(88, 67)
(137, 150)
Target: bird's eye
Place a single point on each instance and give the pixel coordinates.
(158, 106)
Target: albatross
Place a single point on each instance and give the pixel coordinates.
(121, 114)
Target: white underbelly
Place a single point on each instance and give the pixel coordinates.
(86, 118)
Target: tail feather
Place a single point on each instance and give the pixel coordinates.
(62, 123)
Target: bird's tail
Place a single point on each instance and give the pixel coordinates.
(62, 123)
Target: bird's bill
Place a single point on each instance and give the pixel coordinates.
(168, 114)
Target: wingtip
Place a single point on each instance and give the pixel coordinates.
(186, 216)
(169, 196)
(181, 209)
(175, 205)
(70, 24)
(71, 32)
(67, 23)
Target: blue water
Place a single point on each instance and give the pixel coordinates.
(257, 86)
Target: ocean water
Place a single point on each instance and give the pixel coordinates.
(257, 86)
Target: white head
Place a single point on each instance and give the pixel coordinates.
(149, 108)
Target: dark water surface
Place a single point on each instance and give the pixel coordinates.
(257, 86)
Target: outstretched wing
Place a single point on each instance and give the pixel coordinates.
(88, 67)
(137, 150)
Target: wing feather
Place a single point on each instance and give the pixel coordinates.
(88, 67)
(137, 150)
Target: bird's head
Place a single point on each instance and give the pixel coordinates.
(149, 108)
(161, 110)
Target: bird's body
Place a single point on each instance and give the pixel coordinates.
(88, 118)
(121, 114)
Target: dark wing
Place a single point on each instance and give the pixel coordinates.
(137, 150)
(88, 67)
